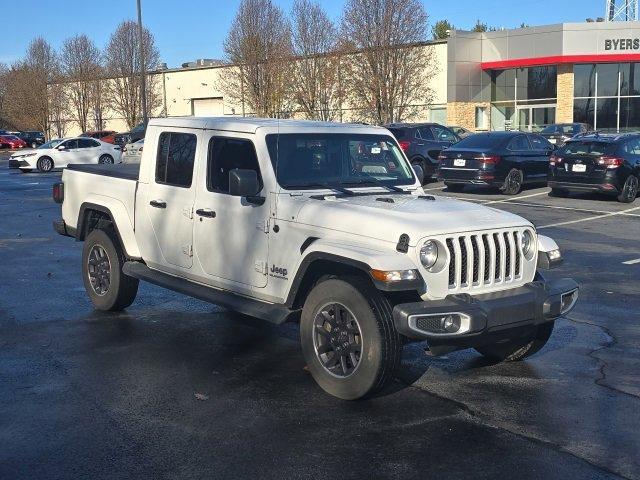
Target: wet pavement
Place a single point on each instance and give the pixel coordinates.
(177, 388)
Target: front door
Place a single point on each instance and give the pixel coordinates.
(169, 200)
(231, 234)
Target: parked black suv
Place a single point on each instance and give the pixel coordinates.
(608, 163)
(32, 138)
(504, 159)
(559, 133)
(422, 143)
(137, 133)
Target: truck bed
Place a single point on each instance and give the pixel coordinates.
(128, 171)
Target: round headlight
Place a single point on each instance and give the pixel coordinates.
(527, 242)
(429, 254)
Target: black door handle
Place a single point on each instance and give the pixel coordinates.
(205, 212)
(158, 204)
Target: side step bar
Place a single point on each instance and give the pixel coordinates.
(266, 311)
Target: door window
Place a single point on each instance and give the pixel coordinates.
(175, 159)
(633, 146)
(539, 143)
(443, 134)
(425, 133)
(519, 143)
(71, 144)
(87, 143)
(226, 154)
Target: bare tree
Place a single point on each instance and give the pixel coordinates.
(259, 46)
(315, 70)
(4, 78)
(388, 73)
(81, 61)
(58, 109)
(123, 67)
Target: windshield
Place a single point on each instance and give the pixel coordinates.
(588, 148)
(317, 160)
(50, 144)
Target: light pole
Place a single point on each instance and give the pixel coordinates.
(143, 80)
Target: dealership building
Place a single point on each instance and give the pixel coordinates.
(522, 78)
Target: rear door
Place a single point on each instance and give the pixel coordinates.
(522, 157)
(168, 201)
(543, 150)
(88, 150)
(231, 235)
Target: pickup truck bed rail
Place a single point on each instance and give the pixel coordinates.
(127, 171)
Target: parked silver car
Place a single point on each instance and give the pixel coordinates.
(132, 152)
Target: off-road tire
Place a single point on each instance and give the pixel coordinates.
(629, 190)
(122, 289)
(44, 164)
(381, 344)
(513, 182)
(519, 349)
(454, 187)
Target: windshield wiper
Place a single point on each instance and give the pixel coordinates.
(379, 183)
(330, 186)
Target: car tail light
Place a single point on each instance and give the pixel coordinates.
(610, 162)
(553, 160)
(489, 159)
(404, 145)
(58, 192)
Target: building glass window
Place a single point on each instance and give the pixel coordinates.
(583, 110)
(584, 81)
(481, 118)
(503, 84)
(629, 113)
(537, 83)
(607, 85)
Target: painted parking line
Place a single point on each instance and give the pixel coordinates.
(511, 199)
(597, 217)
(571, 209)
(631, 262)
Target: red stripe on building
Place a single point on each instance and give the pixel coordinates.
(561, 59)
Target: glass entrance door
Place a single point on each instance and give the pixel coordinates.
(533, 118)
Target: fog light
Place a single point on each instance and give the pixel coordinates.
(451, 323)
(554, 254)
(568, 301)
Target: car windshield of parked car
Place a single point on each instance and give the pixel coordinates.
(50, 144)
(594, 148)
(317, 160)
(480, 140)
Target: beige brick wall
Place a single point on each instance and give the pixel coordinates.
(463, 114)
(564, 109)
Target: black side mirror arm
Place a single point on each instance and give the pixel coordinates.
(255, 200)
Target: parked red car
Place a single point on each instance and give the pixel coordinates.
(11, 141)
(108, 136)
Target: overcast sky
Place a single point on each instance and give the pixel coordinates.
(190, 29)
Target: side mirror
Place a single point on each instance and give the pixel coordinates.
(417, 169)
(244, 183)
(61, 147)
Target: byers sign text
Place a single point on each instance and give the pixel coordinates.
(622, 44)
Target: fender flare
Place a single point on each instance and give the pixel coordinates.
(360, 258)
(121, 224)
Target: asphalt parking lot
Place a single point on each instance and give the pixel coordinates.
(176, 388)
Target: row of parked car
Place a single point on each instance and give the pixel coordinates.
(566, 156)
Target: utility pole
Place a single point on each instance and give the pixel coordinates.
(143, 80)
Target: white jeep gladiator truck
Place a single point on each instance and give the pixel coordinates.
(322, 223)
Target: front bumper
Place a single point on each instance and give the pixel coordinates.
(487, 318)
(14, 163)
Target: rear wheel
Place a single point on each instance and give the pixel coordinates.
(454, 187)
(520, 349)
(348, 338)
(44, 164)
(102, 260)
(105, 159)
(513, 183)
(629, 190)
(558, 192)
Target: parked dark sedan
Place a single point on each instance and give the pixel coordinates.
(608, 163)
(422, 143)
(559, 133)
(507, 160)
(32, 138)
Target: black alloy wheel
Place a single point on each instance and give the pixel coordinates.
(337, 340)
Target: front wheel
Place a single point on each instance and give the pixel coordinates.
(516, 350)
(102, 260)
(348, 338)
(629, 190)
(44, 164)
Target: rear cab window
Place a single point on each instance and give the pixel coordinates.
(175, 159)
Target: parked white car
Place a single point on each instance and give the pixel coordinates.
(132, 152)
(59, 153)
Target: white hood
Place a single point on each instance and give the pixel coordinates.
(377, 217)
